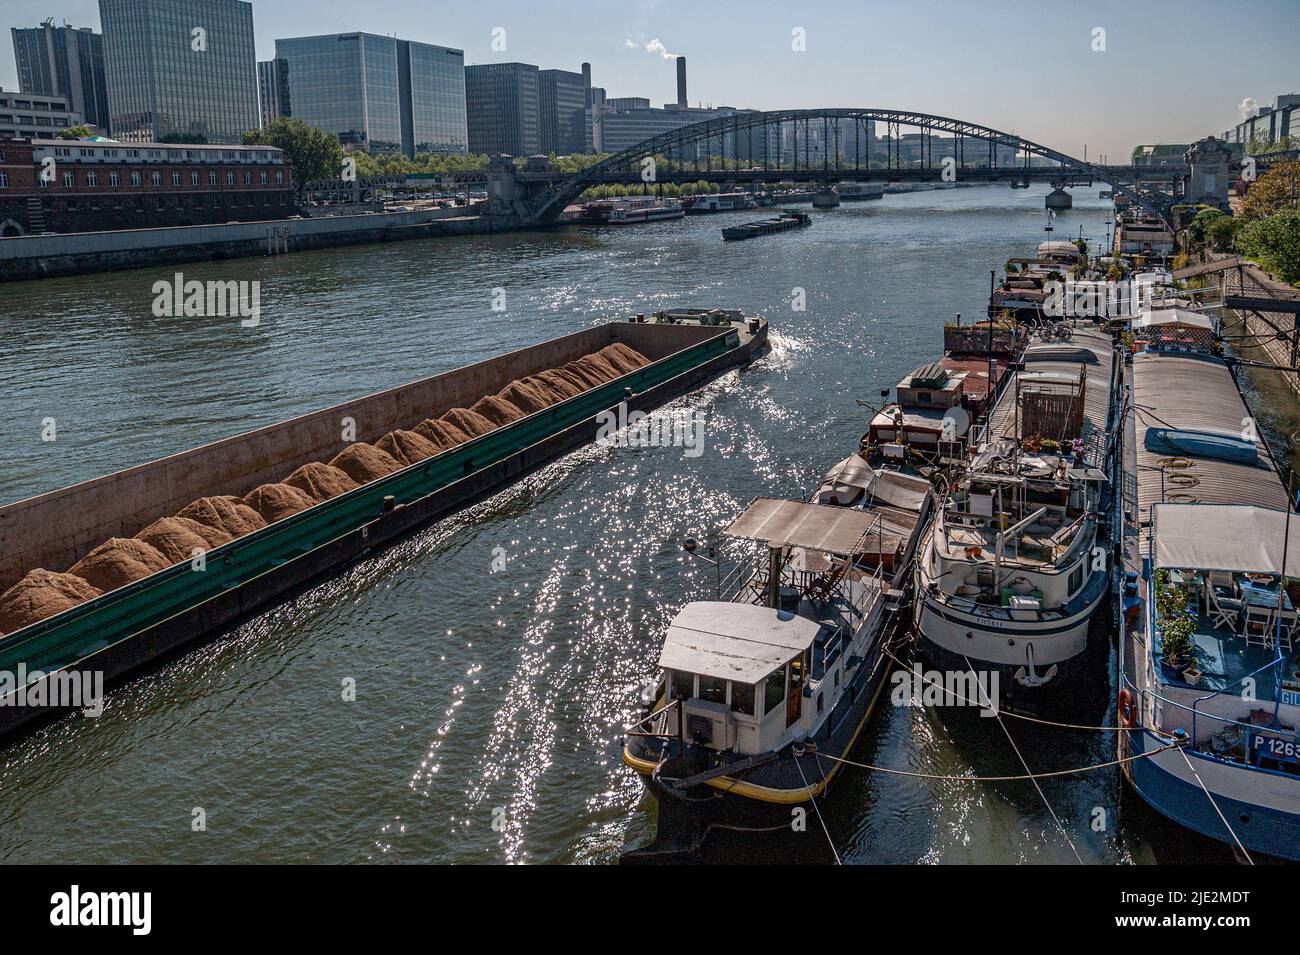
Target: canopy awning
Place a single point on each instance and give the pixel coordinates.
(1235, 537)
(820, 527)
(1173, 316)
(729, 641)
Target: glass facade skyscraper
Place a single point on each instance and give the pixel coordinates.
(503, 100)
(64, 61)
(563, 112)
(180, 70)
(378, 93)
(273, 90)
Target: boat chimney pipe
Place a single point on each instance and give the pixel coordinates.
(774, 562)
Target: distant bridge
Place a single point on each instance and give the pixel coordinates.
(806, 145)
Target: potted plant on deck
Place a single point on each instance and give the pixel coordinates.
(1176, 645)
(1177, 627)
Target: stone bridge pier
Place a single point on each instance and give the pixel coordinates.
(510, 192)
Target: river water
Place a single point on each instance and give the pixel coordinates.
(489, 705)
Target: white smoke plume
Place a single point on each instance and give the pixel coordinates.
(1248, 107)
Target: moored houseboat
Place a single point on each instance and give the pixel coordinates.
(782, 670)
(720, 202)
(1209, 681)
(1008, 577)
(631, 210)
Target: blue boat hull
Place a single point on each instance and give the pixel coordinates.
(1261, 829)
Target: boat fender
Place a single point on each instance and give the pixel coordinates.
(1127, 708)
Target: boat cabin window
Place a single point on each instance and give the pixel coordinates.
(773, 690)
(713, 689)
(1076, 578)
(742, 698)
(798, 670)
(683, 685)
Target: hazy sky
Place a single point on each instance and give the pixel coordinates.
(1170, 71)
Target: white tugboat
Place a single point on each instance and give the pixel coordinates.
(759, 686)
(1012, 569)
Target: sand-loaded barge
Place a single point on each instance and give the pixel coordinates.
(105, 576)
(788, 219)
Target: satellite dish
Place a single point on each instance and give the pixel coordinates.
(955, 422)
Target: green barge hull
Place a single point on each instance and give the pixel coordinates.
(134, 625)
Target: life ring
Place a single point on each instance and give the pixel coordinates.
(1127, 708)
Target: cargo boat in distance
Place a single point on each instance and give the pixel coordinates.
(134, 624)
(788, 220)
(765, 688)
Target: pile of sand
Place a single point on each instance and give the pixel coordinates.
(624, 358)
(275, 502)
(526, 395)
(177, 538)
(471, 422)
(119, 561)
(321, 482)
(225, 513)
(561, 384)
(407, 446)
(364, 462)
(41, 594)
(212, 521)
(444, 434)
(497, 410)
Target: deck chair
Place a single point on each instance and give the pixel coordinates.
(1224, 611)
(1267, 620)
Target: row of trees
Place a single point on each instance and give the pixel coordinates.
(1266, 227)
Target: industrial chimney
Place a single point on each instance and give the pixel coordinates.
(586, 81)
(681, 81)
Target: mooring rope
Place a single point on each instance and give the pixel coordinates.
(1216, 806)
(1000, 779)
(813, 799)
(1010, 739)
(1019, 716)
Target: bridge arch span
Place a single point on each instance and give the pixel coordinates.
(771, 126)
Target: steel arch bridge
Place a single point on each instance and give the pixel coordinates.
(753, 136)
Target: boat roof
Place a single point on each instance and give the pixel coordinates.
(731, 641)
(1089, 351)
(1195, 392)
(1246, 538)
(820, 527)
(1173, 316)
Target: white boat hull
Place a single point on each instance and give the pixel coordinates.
(1031, 652)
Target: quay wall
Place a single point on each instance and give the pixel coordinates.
(78, 253)
(1253, 281)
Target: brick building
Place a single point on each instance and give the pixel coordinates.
(56, 185)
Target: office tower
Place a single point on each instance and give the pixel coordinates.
(503, 105)
(67, 62)
(563, 105)
(273, 90)
(377, 92)
(180, 70)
